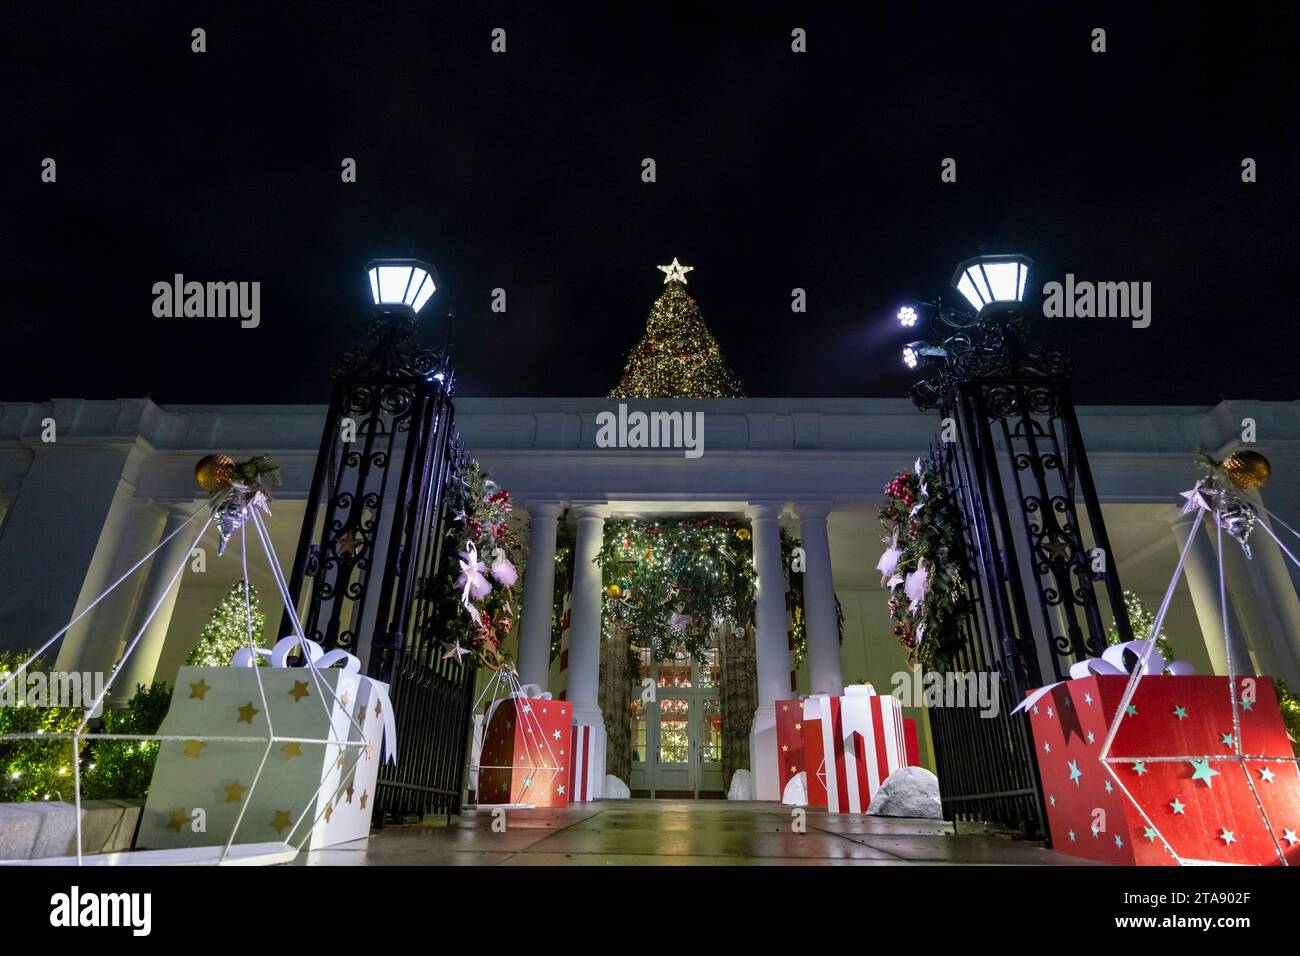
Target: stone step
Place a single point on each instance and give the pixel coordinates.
(48, 828)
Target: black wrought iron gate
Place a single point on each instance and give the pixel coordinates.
(372, 547)
(1014, 455)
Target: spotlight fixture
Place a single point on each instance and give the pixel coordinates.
(924, 394)
(922, 353)
(907, 316)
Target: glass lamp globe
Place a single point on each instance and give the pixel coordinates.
(401, 283)
(992, 281)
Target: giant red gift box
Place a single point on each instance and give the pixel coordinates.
(1206, 811)
(851, 746)
(524, 758)
(789, 742)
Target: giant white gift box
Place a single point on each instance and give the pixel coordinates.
(314, 713)
(852, 744)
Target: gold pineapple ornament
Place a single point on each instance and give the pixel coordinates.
(1247, 470)
(215, 473)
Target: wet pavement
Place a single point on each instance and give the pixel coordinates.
(684, 832)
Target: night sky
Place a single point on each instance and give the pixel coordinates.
(522, 171)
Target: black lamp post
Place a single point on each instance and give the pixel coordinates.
(1011, 449)
(372, 538)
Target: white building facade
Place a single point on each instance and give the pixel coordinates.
(87, 487)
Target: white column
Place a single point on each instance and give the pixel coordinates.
(1275, 595)
(583, 683)
(140, 667)
(826, 676)
(94, 643)
(539, 594)
(771, 647)
(1202, 573)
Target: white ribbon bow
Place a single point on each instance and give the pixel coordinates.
(318, 659)
(523, 692)
(1112, 664)
(471, 573)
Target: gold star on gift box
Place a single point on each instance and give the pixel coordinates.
(350, 791)
(247, 713)
(329, 812)
(291, 750)
(235, 792)
(299, 691)
(364, 797)
(199, 691)
(194, 747)
(282, 821)
(177, 819)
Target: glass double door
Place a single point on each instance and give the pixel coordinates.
(677, 737)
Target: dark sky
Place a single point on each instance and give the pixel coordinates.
(522, 171)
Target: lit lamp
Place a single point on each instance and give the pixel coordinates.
(401, 284)
(989, 281)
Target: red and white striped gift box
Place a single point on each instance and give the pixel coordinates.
(854, 742)
(581, 767)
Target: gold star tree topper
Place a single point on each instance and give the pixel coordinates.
(676, 272)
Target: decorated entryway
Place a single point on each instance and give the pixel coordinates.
(676, 729)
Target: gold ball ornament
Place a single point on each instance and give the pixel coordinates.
(215, 472)
(613, 592)
(1248, 470)
(649, 554)
(743, 534)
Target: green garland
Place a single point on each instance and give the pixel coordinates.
(563, 585)
(798, 627)
(669, 582)
(921, 525)
(479, 511)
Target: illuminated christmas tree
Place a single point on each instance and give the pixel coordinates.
(678, 357)
(227, 628)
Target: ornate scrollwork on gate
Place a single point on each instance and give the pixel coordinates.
(1029, 414)
(390, 355)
